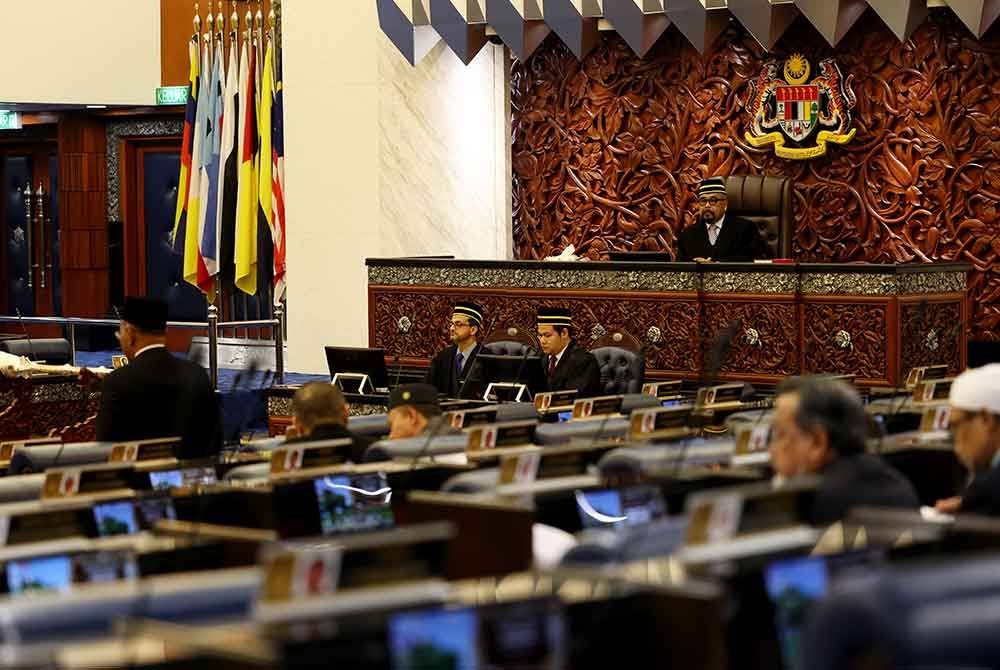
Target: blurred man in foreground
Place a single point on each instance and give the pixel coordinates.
(319, 412)
(975, 425)
(819, 429)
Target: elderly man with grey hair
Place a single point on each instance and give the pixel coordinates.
(819, 428)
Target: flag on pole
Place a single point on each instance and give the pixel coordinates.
(229, 164)
(278, 184)
(190, 110)
(192, 251)
(266, 161)
(246, 216)
(208, 229)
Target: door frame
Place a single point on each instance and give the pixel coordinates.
(131, 152)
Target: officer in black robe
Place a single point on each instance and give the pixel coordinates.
(453, 364)
(566, 365)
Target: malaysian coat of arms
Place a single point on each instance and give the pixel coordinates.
(798, 116)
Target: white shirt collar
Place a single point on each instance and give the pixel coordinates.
(722, 219)
(560, 354)
(151, 346)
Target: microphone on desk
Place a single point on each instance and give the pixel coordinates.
(917, 318)
(24, 329)
(520, 367)
(403, 326)
(711, 366)
(468, 369)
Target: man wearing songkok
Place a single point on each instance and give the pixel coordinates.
(453, 364)
(319, 412)
(414, 410)
(566, 365)
(716, 236)
(975, 426)
(819, 428)
(157, 394)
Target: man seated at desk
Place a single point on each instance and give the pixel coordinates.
(157, 394)
(819, 428)
(975, 425)
(319, 412)
(453, 364)
(717, 237)
(414, 410)
(566, 365)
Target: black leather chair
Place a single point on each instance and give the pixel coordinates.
(767, 201)
(510, 341)
(54, 351)
(622, 364)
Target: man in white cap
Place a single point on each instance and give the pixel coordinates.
(975, 426)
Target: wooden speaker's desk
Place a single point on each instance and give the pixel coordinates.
(872, 321)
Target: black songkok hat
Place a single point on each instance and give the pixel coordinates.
(147, 314)
(470, 310)
(413, 394)
(555, 316)
(712, 186)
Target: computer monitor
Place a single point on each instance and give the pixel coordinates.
(351, 503)
(620, 508)
(530, 635)
(527, 370)
(794, 584)
(352, 360)
(180, 478)
(116, 518)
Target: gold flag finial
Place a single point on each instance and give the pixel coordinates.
(249, 21)
(258, 20)
(210, 19)
(234, 22)
(197, 19)
(220, 20)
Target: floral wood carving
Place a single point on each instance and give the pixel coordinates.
(606, 151)
(766, 337)
(929, 335)
(825, 349)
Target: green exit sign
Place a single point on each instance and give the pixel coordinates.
(171, 95)
(10, 120)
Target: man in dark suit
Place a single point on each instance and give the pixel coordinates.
(453, 364)
(566, 365)
(156, 394)
(717, 237)
(975, 425)
(819, 428)
(319, 412)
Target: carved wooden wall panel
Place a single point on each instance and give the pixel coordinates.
(765, 340)
(652, 322)
(845, 338)
(928, 334)
(606, 152)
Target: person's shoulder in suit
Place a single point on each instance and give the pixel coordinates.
(982, 495)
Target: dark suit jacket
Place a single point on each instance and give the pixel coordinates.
(334, 431)
(739, 240)
(441, 374)
(160, 395)
(577, 369)
(982, 495)
(862, 479)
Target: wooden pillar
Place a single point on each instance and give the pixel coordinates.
(83, 216)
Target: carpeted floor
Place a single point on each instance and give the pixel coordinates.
(243, 405)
